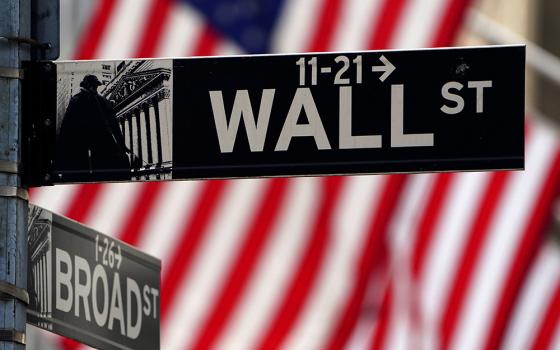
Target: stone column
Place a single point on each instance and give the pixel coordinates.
(153, 134)
(49, 280)
(142, 131)
(45, 269)
(164, 107)
(36, 279)
(42, 268)
(155, 102)
(139, 138)
(130, 139)
(147, 121)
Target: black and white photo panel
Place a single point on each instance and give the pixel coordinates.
(39, 277)
(114, 121)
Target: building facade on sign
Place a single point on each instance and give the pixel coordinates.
(39, 280)
(114, 120)
(141, 95)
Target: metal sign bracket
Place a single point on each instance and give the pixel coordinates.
(11, 191)
(13, 336)
(39, 126)
(8, 167)
(45, 30)
(15, 292)
(11, 73)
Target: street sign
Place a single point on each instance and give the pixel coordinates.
(90, 287)
(283, 115)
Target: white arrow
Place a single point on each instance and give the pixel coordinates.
(387, 68)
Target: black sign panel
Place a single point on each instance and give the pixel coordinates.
(90, 287)
(283, 115)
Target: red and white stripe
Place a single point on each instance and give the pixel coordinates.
(529, 329)
(426, 261)
(464, 267)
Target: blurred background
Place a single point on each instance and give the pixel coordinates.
(430, 261)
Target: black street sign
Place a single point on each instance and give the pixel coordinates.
(90, 287)
(281, 115)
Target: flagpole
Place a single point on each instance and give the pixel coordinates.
(14, 23)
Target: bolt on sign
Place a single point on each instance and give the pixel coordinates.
(90, 287)
(366, 112)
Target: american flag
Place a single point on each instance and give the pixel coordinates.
(430, 261)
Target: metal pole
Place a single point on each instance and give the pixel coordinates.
(14, 22)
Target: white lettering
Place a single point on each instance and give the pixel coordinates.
(99, 274)
(256, 132)
(76, 285)
(480, 86)
(116, 309)
(81, 291)
(303, 100)
(398, 137)
(346, 139)
(460, 102)
(155, 294)
(63, 279)
(147, 306)
(132, 331)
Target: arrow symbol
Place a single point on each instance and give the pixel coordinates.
(387, 68)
